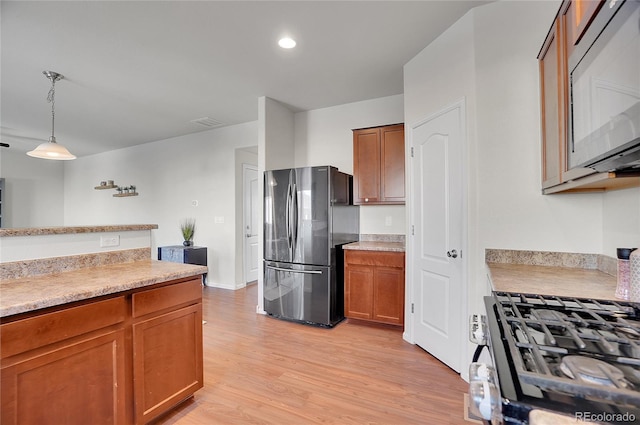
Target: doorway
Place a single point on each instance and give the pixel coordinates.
(438, 251)
(251, 222)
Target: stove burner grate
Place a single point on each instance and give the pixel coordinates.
(550, 337)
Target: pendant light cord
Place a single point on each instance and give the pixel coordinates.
(51, 98)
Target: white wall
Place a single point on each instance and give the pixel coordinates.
(34, 190)
(324, 137)
(621, 224)
(513, 212)
(33, 247)
(279, 142)
(275, 151)
(169, 175)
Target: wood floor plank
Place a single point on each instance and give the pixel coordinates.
(260, 370)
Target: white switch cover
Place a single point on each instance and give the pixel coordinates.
(388, 220)
(109, 241)
(218, 220)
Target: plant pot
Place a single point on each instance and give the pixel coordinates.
(187, 243)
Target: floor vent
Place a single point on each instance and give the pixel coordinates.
(207, 122)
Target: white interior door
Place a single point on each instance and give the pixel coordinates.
(251, 224)
(438, 295)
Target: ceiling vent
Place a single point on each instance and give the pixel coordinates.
(207, 122)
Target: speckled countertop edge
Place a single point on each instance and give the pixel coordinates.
(34, 293)
(375, 246)
(36, 231)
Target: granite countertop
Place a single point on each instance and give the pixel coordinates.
(36, 231)
(552, 280)
(33, 293)
(376, 246)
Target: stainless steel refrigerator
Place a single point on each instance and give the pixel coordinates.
(308, 216)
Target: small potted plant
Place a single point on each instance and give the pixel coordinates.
(188, 228)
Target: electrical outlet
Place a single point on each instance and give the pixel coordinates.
(194, 203)
(388, 220)
(109, 241)
(218, 220)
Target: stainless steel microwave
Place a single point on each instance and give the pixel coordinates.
(604, 81)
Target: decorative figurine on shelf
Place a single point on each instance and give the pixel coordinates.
(188, 228)
(119, 189)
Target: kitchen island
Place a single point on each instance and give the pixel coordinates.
(114, 343)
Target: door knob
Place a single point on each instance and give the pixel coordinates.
(452, 254)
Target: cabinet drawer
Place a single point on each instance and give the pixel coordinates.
(375, 258)
(146, 302)
(60, 325)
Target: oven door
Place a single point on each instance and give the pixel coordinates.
(484, 389)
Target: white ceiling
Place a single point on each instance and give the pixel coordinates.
(140, 71)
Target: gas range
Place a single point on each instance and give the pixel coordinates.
(578, 357)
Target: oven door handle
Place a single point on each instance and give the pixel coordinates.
(476, 354)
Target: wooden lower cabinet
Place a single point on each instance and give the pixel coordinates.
(80, 382)
(374, 286)
(167, 365)
(93, 364)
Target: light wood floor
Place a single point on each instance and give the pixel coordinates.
(260, 370)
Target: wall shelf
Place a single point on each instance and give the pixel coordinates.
(123, 191)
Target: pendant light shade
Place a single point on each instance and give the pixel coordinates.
(51, 149)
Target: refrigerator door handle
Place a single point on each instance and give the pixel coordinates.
(294, 220)
(287, 217)
(295, 271)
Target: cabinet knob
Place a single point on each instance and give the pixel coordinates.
(452, 254)
(366, 199)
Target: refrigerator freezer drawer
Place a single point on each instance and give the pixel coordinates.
(301, 293)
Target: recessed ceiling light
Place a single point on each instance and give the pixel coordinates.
(287, 43)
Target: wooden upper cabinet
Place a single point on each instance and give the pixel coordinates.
(570, 24)
(392, 188)
(378, 165)
(552, 101)
(366, 166)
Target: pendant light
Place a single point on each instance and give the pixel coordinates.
(51, 149)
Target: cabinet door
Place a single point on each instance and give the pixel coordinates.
(366, 166)
(167, 366)
(79, 382)
(392, 164)
(358, 291)
(388, 297)
(553, 103)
